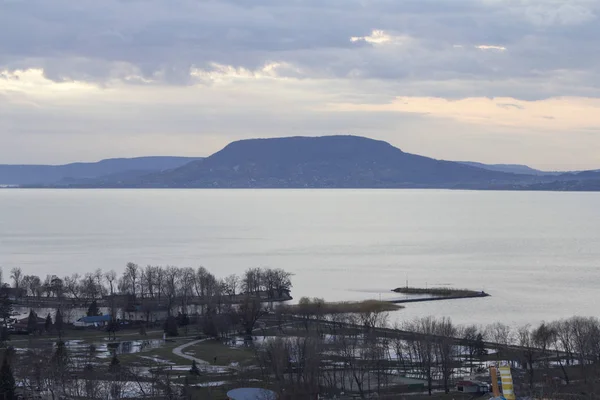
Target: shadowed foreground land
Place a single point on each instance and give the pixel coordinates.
(333, 350)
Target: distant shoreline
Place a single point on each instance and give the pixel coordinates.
(13, 187)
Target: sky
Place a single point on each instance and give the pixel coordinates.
(496, 81)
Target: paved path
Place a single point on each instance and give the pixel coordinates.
(178, 351)
(203, 364)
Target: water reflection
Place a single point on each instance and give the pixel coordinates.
(105, 350)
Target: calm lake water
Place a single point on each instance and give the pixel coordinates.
(537, 253)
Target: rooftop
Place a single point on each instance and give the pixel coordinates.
(251, 394)
(99, 318)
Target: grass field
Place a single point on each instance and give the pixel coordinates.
(225, 354)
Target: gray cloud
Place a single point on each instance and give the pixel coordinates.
(156, 69)
(98, 41)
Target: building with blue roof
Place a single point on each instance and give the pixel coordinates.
(251, 394)
(99, 320)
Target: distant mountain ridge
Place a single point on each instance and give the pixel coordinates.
(510, 168)
(301, 162)
(320, 162)
(54, 174)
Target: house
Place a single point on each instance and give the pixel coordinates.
(472, 387)
(147, 312)
(251, 394)
(21, 325)
(100, 320)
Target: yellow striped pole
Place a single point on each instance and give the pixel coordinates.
(507, 382)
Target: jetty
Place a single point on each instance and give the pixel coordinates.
(436, 294)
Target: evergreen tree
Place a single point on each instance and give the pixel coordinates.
(183, 320)
(58, 322)
(115, 364)
(209, 327)
(32, 322)
(112, 328)
(186, 392)
(4, 336)
(7, 381)
(88, 375)
(93, 310)
(6, 305)
(194, 370)
(171, 326)
(61, 355)
(48, 323)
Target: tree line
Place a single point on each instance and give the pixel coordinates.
(153, 282)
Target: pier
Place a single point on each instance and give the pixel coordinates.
(437, 294)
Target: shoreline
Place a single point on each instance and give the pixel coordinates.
(436, 294)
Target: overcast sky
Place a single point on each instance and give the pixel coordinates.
(485, 80)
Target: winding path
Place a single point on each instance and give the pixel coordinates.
(178, 351)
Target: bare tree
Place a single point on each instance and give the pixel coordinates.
(169, 286)
(186, 287)
(159, 280)
(16, 274)
(306, 355)
(585, 341)
(273, 360)
(282, 282)
(200, 281)
(231, 284)
(111, 277)
(33, 284)
(501, 335)
(422, 347)
(563, 343)
(149, 278)
(89, 287)
(130, 278)
(446, 349)
(543, 337)
(353, 350)
(470, 340)
(372, 316)
(143, 288)
(252, 281)
(57, 287)
(71, 286)
(306, 310)
(526, 340)
(250, 311)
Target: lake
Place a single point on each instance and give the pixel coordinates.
(536, 253)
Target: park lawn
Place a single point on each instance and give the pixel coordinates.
(226, 355)
(165, 352)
